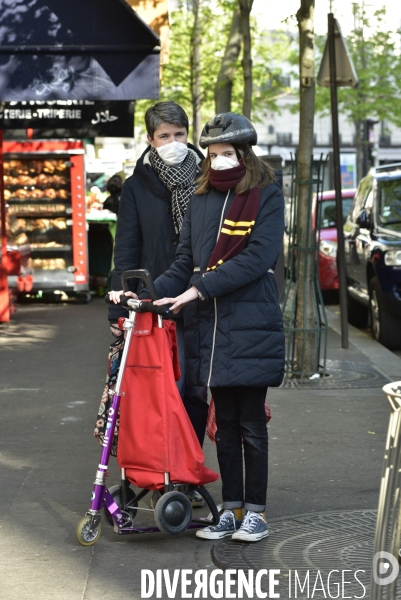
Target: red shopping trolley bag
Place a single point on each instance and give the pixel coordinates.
(156, 435)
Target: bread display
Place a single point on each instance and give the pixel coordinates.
(32, 209)
(21, 194)
(21, 239)
(47, 264)
(39, 210)
(36, 179)
(49, 193)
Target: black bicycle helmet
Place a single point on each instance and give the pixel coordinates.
(228, 128)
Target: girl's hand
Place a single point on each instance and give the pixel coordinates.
(115, 296)
(180, 301)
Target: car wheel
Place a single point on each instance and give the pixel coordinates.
(385, 327)
(357, 313)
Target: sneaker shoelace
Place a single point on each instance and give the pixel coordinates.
(225, 518)
(250, 521)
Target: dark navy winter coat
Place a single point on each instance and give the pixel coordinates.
(235, 337)
(145, 237)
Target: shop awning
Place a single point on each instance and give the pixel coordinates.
(76, 50)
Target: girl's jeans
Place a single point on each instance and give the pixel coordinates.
(241, 422)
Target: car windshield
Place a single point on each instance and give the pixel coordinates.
(327, 212)
(389, 192)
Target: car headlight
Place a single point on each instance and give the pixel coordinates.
(392, 257)
(328, 248)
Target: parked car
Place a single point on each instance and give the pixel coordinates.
(372, 237)
(324, 219)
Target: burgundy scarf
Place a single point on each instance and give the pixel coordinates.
(240, 218)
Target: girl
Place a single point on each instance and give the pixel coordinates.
(224, 276)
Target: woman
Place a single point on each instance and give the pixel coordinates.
(229, 245)
(153, 204)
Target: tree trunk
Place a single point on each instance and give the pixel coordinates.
(195, 75)
(224, 84)
(245, 8)
(306, 350)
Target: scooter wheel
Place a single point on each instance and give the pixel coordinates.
(115, 491)
(86, 537)
(173, 513)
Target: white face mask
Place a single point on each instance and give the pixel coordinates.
(220, 163)
(172, 153)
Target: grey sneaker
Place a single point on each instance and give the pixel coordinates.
(227, 525)
(253, 528)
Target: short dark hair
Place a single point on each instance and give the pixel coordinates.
(165, 112)
(114, 185)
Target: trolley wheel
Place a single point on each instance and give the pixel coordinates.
(173, 512)
(84, 536)
(115, 491)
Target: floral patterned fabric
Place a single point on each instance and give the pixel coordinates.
(113, 365)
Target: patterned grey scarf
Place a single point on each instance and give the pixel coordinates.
(179, 180)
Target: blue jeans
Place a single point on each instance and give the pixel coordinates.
(241, 422)
(194, 397)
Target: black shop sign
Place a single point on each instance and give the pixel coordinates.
(68, 118)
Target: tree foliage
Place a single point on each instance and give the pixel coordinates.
(215, 18)
(377, 62)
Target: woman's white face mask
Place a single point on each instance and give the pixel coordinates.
(172, 153)
(220, 163)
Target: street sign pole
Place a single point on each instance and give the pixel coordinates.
(342, 278)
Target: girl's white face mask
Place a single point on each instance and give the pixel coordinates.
(172, 153)
(220, 163)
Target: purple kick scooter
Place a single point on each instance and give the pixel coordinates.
(172, 511)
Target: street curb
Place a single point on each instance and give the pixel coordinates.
(384, 360)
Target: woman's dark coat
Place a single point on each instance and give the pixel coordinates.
(145, 237)
(235, 337)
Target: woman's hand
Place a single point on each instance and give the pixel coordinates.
(115, 296)
(180, 301)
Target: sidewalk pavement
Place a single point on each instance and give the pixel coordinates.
(326, 451)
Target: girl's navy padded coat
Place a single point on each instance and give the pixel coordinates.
(235, 337)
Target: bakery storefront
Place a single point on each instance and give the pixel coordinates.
(44, 191)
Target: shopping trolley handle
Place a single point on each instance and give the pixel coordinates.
(139, 274)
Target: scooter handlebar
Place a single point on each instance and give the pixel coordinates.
(139, 306)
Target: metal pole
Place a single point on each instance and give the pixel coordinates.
(4, 296)
(342, 278)
(2, 203)
(365, 148)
